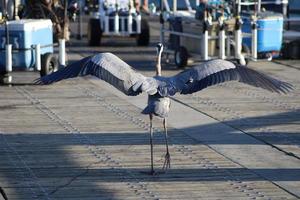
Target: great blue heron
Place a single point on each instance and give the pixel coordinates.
(115, 71)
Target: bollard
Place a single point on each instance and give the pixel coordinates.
(238, 47)
(258, 6)
(254, 39)
(9, 78)
(228, 47)
(62, 52)
(222, 44)
(221, 39)
(129, 23)
(106, 28)
(37, 49)
(138, 23)
(122, 24)
(238, 37)
(116, 27)
(238, 43)
(8, 56)
(285, 9)
(206, 25)
(254, 44)
(205, 45)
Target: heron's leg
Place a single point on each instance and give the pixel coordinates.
(151, 144)
(167, 163)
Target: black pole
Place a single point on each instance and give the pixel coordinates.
(6, 22)
(65, 17)
(14, 12)
(79, 27)
(6, 31)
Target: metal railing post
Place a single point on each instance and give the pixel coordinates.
(238, 38)
(228, 47)
(174, 6)
(106, 23)
(116, 27)
(138, 23)
(37, 49)
(129, 23)
(254, 38)
(204, 40)
(221, 39)
(79, 35)
(62, 52)
(8, 56)
(205, 45)
(238, 43)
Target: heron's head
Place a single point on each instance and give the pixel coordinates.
(159, 48)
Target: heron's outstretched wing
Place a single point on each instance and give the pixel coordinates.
(109, 68)
(215, 72)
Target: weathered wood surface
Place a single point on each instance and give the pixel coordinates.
(75, 141)
(79, 140)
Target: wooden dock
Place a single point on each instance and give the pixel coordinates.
(82, 139)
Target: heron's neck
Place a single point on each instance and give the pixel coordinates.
(158, 64)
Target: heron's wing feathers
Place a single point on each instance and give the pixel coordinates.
(109, 68)
(219, 71)
(71, 71)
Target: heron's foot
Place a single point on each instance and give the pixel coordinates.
(167, 163)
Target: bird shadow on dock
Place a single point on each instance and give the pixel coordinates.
(258, 127)
(81, 165)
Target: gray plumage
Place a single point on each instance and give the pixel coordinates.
(107, 67)
(115, 71)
